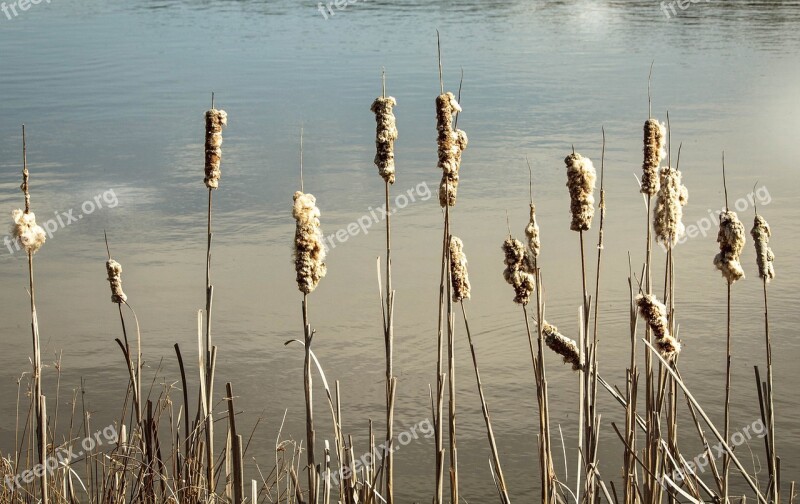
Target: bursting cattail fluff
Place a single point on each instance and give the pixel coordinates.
(581, 177)
(562, 345)
(672, 197)
(764, 256)
(731, 243)
(655, 315)
(26, 232)
(215, 121)
(517, 272)
(654, 151)
(458, 270)
(451, 144)
(532, 234)
(385, 136)
(114, 270)
(309, 250)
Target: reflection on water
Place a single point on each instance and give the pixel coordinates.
(113, 95)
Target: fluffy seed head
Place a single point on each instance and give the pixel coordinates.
(672, 197)
(581, 177)
(114, 270)
(451, 144)
(26, 232)
(532, 234)
(731, 242)
(654, 313)
(562, 345)
(764, 256)
(215, 121)
(654, 151)
(458, 270)
(385, 136)
(309, 251)
(516, 273)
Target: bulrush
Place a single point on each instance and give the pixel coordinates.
(309, 251)
(25, 230)
(672, 197)
(654, 151)
(114, 270)
(516, 272)
(451, 144)
(581, 178)
(562, 345)
(731, 242)
(655, 315)
(215, 121)
(764, 256)
(532, 234)
(385, 136)
(458, 270)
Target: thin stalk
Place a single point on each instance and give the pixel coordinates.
(501, 482)
(307, 386)
(773, 463)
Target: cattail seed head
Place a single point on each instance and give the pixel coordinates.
(517, 273)
(451, 144)
(654, 151)
(731, 243)
(672, 197)
(764, 256)
(655, 315)
(581, 177)
(562, 345)
(309, 250)
(215, 121)
(385, 136)
(458, 270)
(26, 232)
(114, 270)
(532, 234)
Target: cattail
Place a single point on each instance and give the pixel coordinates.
(655, 314)
(654, 151)
(114, 270)
(532, 234)
(385, 136)
(516, 272)
(562, 345)
(764, 256)
(458, 270)
(309, 251)
(215, 121)
(26, 232)
(731, 242)
(581, 177)
(451, 144)
(672, 197)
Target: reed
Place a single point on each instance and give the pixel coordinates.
(385, 136)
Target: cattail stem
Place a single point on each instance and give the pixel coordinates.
(307, 387)
(726, 428)
(209, 418)
(501, 482)
(773, 469)
(389, 336)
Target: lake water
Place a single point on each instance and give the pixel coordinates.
(113, 95)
